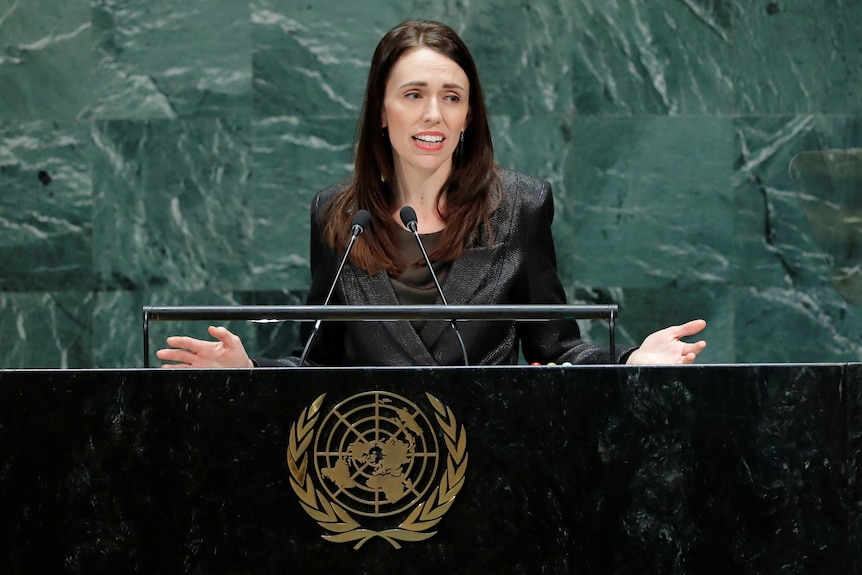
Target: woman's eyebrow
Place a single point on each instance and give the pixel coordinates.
(423, 84)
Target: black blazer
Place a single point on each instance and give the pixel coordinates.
(519, 268)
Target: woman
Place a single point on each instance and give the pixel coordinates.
(423, 141)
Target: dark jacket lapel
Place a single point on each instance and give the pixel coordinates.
(465, 277)
(377, 290)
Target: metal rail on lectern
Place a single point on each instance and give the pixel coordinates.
(378, 313)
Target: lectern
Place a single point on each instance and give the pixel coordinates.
(690, 469)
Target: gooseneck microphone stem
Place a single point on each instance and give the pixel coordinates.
(428, 263)
(411, 222)
(360, 222)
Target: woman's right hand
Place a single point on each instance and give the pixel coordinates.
(186, 352)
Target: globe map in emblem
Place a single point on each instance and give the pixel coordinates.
(376, 454)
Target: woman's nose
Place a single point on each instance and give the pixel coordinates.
(432, 111)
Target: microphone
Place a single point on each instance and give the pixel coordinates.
(360, 221)
(411, 222)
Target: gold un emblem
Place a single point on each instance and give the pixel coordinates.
(372, 467)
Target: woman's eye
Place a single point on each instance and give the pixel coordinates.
(412, 95)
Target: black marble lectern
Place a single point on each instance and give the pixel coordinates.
(693, 469)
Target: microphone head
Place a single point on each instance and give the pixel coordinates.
(408, 218)
(360, 221)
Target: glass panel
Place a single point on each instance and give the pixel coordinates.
(829, 186)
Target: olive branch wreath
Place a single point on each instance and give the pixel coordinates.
(335, 519)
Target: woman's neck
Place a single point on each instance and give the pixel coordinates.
(421, 192)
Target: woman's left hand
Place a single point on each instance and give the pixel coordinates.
(185, 352)
(665, 347)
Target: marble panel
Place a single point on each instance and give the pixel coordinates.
(292, 159)
(172, 204)
(636, 57)
(796, 57)
(46, 329)
(311, 60)
(117, 327)
(543, 146)
(167, 59)
(649, 201)
(796, 325)
(46, 60)
(46, 207)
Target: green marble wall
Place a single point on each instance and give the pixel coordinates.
(158, 152)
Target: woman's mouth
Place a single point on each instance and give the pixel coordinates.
(429, 141)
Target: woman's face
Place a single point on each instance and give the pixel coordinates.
(425, 107)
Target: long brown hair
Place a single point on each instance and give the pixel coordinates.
(472, 189)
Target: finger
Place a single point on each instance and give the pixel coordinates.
(176, 355)
(693, 348)
(688, 348)
(222, 334)
(176, 366)
(690, 328)
(183, 342)
(688, 358)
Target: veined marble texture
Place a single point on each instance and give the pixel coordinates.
(46, 207)
(159, 152)
(46, 59)
(168, 59)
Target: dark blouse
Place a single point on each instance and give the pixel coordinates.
(415, 286)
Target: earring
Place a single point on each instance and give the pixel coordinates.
(462, 136)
